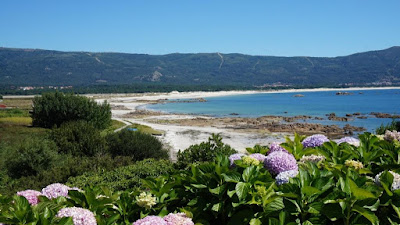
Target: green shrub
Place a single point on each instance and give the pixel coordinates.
(123, 178)
(394, 125)
(137, 145)
(53, 109)
(69, 167)
(205, 151)
(30, 157)
(78, 138)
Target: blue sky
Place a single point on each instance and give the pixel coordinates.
(281, 27)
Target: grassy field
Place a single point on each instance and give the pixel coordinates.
(145, 129)
(20, 103)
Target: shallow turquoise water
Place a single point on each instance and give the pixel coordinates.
(313, 104)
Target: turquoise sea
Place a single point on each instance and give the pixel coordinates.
(316, 104)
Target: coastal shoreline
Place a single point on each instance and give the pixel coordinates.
(179, 134)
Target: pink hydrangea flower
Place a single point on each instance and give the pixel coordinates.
(31, 196)
(178, 219)
(150, 220)
(56, 190)
(79, 216)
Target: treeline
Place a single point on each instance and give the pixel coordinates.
(143, 88)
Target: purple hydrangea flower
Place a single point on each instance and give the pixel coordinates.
(234, 157)
(150, 220)
(56, 190)
(31, 196)
(79, 216)
(314, 140)
(283, 178)
(274, 147)
(350, 140)
(278, 162)
(258, 156)
(178, 219)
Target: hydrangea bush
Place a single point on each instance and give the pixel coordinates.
(331, 184)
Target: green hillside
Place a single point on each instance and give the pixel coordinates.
(43, 67)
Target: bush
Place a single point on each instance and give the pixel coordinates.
(69, 167)
(30, 157)
(394, 125)
(205, 151)
(78, 138)
(137, 145)
(53, 109)
(123, 178)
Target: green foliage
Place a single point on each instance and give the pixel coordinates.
(137, 145)
(205, 151)
(257, 149)
(212, 192)
(30, 157)
(394, 125)
(78, 138)
(53, 109)
(65, 169)
(123, 178)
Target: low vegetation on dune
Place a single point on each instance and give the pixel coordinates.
(78, 173)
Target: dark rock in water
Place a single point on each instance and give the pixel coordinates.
(234, 114)
(298, 95)
(285, 112)
(333, 116)
(318, 118)
(344, 93)
(349, 115)
(362, 117)
(356, 114)
(360, 93)
(384, 115)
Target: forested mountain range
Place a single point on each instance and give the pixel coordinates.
(44, 67)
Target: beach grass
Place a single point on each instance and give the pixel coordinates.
(15, 129)
(115, 124)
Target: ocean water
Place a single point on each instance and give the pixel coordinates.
(316, 104)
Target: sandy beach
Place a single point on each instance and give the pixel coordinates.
(181, 131)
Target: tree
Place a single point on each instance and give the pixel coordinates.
(55, 108)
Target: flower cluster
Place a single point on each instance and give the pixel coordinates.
(250, 161)
(178, 219)
(392, 136)
(258, 156)
(353, 163)
(350, 140)
(56, 190)
(280, 161)
(283, 178)
(274, 147)
(170, 219)
(145, 200)
(31, 196)
(312, 158)
(314, 140)
(150, 220)
(79, 216)
(234, 157)
(396, 180)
